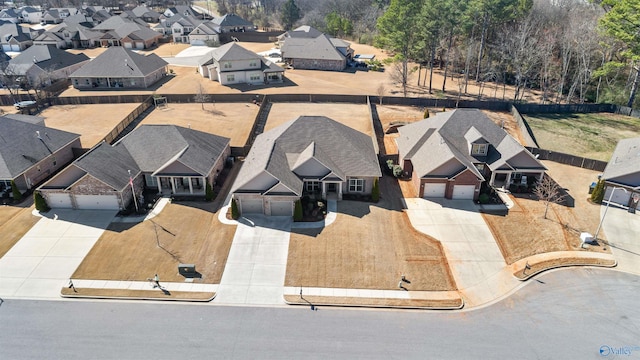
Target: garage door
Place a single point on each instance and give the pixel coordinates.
(281, 208)
(465, 192)
(434, 190)
(251, 206)
(15, 47)
(97, 202)
(619, 196)
(59, 201)
(139, 45)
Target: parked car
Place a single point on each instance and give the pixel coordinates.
(24, 104)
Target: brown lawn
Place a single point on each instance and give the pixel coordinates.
(355, 116)
(369, 246)
(92, 122)
(232, 120)
(525, 232)
(15, 221)
(141, 294)
(187, 233)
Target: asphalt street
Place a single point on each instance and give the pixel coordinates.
(567, 314)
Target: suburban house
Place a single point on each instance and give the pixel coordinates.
(308, 155)
(168, 159)
(31, 15)
(233, 64)
(144, 13)
(182, 26)
(70, 34)
(10, 14)
(451, 154)
(120, 68)
(30, 151)
(308, 48)
(14, 37)
(623, 174)
(51, 16)
(232, 23)
(42, 64)
(182, 10)
(203, 34)
(119, 31)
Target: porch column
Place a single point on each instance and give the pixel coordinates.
(508, 181)
(541, 176)
(493, 178)
(108, 83)
(324, 190)
(159, 183)
(339, 191)
(173, 185)
(190, 187)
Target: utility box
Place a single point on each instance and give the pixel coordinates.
(188, 270)
(586, 238)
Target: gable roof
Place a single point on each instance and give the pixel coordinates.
(118, 61)
(320, 48)
(20, 147)
(228, 52)
(46, 57)
(343, 150)
(447, 136)
(109, 164)
(152, 146)
(232, 20)
(304, 31)
(625, 160)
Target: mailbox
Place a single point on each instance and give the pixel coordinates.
(187, 269)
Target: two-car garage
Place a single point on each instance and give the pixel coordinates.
(265, 206)
(82, 202)
(439, 190)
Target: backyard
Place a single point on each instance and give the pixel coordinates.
(591, 135)
(355, 116)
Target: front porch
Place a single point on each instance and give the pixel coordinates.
(179, 185)
(316, 189)
(503, 180)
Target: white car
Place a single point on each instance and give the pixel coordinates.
(24, 104)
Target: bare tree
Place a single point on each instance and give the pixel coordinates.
(201, 96)
(380, 92)
(399, 75)
(548, 191)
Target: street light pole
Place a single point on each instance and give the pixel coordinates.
(605, 210)
(133, 192)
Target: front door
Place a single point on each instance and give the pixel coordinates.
(331, 187)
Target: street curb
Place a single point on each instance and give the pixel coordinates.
(135, 298)
(451, 308)
(529, 276)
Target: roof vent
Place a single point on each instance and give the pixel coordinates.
(38, 135)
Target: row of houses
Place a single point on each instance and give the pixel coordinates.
(450, 155)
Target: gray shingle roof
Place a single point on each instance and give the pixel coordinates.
(20, 147)
(46, 57)
(344, 150)
(109, 164)
(320, 48)
(232, 20)
(436, 141)
(624, 161)
(120, 62)
(228, 52)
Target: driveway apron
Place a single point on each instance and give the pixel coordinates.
(471, 250)
(257, 262)
(44, 259)
(623, 234)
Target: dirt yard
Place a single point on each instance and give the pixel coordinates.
(355, 116)
(369, 246)
(92, 122)
(232, 120)
(15, 221)
(593, 136)
(525, 232)
(186, 232)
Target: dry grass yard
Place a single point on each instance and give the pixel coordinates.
(232, 120)
(355, 116)
(15, 221)
(186, 232)
(92, 122)
(369, 246)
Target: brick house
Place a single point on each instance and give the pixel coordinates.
(308, 48)
(164, 158)
(451, 154)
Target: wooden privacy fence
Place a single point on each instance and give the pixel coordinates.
(118, 129)
(573, 160)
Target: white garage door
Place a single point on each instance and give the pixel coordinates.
(128, 45)
(251, 206)
(97, 202)
(434, 190)
(139, 45)
(281, 208)
(465, 192)
(59, 201)
(619, 196)
(15, 47)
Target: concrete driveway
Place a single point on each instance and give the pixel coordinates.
(623, 233)
(471, 250)
(257, 262)
(40, 263)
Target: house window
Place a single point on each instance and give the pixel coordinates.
(227, 65)
(231, 78)
(312, 186)
(255, 77)
(480, 167)
(38, 167)
(479, 149)
(356, 185)
(151, 181)
(253, 63)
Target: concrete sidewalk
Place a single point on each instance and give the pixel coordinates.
(44, 259)
(143, 285)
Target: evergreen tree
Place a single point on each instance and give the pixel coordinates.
(17, 195)
(598, 193)
(290, 14)
(297, 211)
(235, 214)
(39, 202)
(375, 191)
